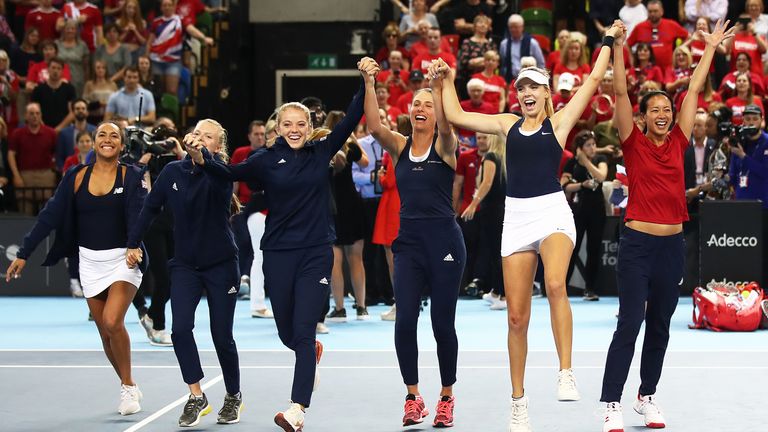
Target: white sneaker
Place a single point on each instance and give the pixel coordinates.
(614, 421)
(292, 419)
(160, 338)
(321, 328)
(75, 288)
(389, 315)
(646, 406)
(518, 417)
(147, 323)
(129, 399)
(264, 313)
(489, 297)
(566, 386)
(245, 286)
(498, 303)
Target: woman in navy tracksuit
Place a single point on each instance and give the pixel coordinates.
(91, 213)
(205, 262)
(297, 240)
(429, 249)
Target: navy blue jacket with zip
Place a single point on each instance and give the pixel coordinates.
(295, 182)
(201, 210)
(59, 215)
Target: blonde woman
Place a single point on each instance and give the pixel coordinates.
(537, 219)
(205, 262)
(574, 60)
(297, 241)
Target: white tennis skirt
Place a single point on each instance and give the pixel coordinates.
(101, 268)
(528, 221)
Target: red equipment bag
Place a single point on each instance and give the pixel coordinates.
(727, 307)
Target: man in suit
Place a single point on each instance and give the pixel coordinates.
(696, 166)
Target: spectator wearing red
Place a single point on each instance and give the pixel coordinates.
(256, 140)
(696, 43)
(475, 103)
(391, 36)
(495, 87)
(677, 78)
(89, 18)
(84, 145)
(660, 33)
(133, 28)
(574, 60)
(388, 213)
(565, 84)
(38, 72)
(707, 97)
(396, 77)
(188, 10)
(424, 60)
(744, 96)
(55, 96)
(412, 22)
(420, 46)
(743, 65)
(603, 102)
(645, 70)
(415, 81)
(30, 156)
(44, 18)
(627, 55)
(382, 98)
(553, 58)
(467, 166)
(747, 41)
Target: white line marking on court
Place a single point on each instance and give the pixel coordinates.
(171, 406)
(483, 367)
(285, 350)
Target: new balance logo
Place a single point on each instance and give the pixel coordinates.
(324, 281)
(281, 161)
(174, 187)
(232, 290)
(448, 258)
(118, 191)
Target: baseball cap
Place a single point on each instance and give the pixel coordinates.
(566, 81)
(416, 75)
(752, 109)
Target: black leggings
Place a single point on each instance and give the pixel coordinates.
(159, 244)
(489, 220)
(589, 221)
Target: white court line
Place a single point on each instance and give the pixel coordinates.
(327, 350)
(483, 367)
(170, 406)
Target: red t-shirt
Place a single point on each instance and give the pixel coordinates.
(404, 102)
(649, 73)
(746, 43)
(420, 47)
(567, 155)
(737, 105)
(697, 52)
(382, 55)
(33, 151)
(627, 56)
(483, 108)
(728, 85)
(239, 155)
(662, 40)
(38, 72)
(558, 101)
(494, 86)
(513, 105)
(392, 113)
(188, 10)
(656, 179)
(423, 61)
(701, 103)
(70, 161)
(578, 73)
(395, 91)
(44, 21)
(88, 28)
(553, 59)
(467, 166)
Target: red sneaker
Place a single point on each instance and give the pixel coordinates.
(415, 411)
(444, 412)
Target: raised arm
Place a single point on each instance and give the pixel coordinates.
(622, 115)
(688, 108)
(354, 113)
(391, 141)
(497, 124)
(446, 142)
(564, 120)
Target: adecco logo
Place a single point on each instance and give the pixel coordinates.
(728, 241)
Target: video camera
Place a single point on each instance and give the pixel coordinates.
(160, 141)
(738, 134)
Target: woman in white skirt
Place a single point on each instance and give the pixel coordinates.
(91, 212)
(537, 218)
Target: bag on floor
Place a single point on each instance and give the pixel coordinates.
(727, 307)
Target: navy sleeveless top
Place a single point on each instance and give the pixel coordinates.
(101, 219)
(532, 161)
(425, 187)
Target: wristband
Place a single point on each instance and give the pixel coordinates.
(608, 41)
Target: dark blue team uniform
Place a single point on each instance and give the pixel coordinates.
(297, 240)
(429, 253)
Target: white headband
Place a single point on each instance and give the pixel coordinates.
(534, 75)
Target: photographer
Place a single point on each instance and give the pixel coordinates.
(164, 148)
(749, 163)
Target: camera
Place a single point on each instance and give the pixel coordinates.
(738, 134)
(160, 141)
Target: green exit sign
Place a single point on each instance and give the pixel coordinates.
(323, 61)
